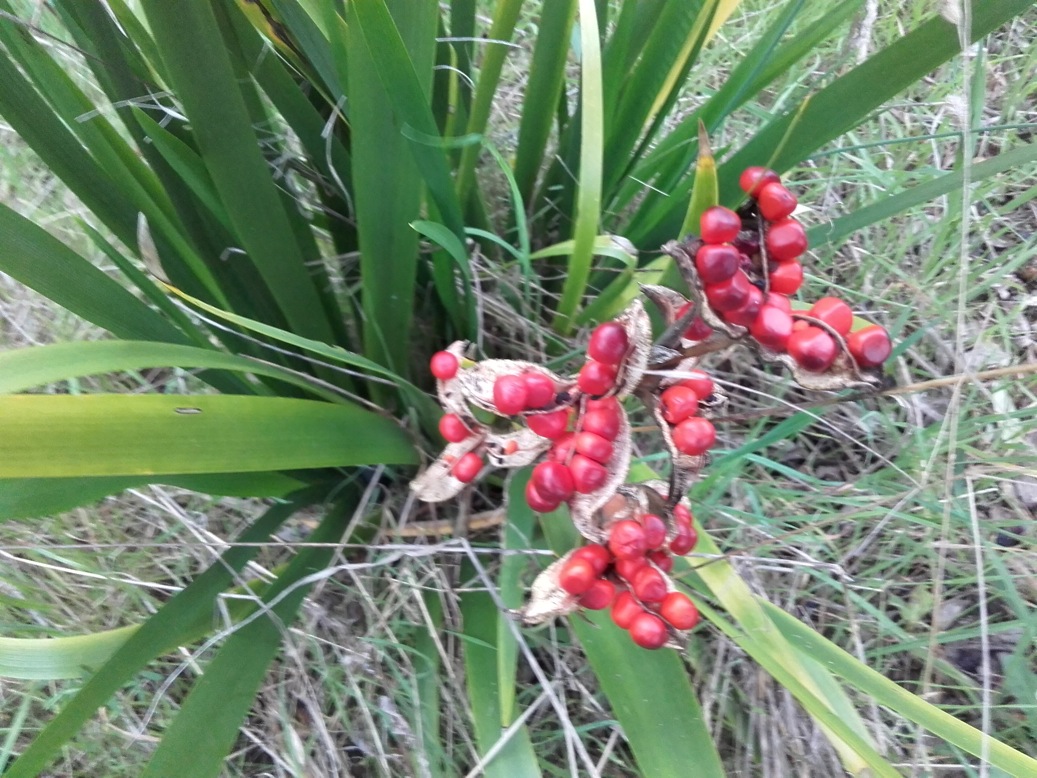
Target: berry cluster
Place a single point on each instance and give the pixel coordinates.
(679, 403)
(628, 575)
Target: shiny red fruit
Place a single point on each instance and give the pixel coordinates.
(625, 609)
(719, 225)
(679, 611)
(753, 179)
(833, 312)
(699, 382)
(679, 402)
(662, 559)
(553, 481)
(655, 530)
(697, 330)
(627, 540)
(716, 263)
(869, 346)
(594, 446)
(745, 314)
(649, 585)
(694, 436)
(685, 539)
(576, 576)
(604, 404)
(588, 475)
(681, 516)
(540, 390)
(596, 378)
(778, 300)
(785, 240)
(772, 328)
(608, 343)
(510, 394)
(601, 422)
(443, 365)
(537, 501)
(467, 467)
(648, 630)
(563, 448)
(775, 201)
(627, 569)
(599, 596)
(549, 425)
(730, 294)
(453, 429)
(786, 278)
(813, 349)
(599, 556)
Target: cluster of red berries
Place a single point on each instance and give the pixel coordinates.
(606, 349)
(576, 461)
(628, 576)
(750, 287)
(466, 469)
(691, 434)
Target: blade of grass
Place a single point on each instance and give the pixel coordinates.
(101, 435)
(588, 200)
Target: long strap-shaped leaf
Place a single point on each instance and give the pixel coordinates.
(204, 730)
(181, 620)
(188, 38)
(103, 435)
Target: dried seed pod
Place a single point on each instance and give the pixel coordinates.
(547, 599)
(477, 382)
(584, 507)
(437, 483)
(515, 449)
(639, 331)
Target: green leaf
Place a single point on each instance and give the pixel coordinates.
(200, 69)
(48, 659)
(30, 497)
(183, 619)
(887, 693)
(704, 194)
(104, 435)
(650, 691)
(588, 198)
(204, 729)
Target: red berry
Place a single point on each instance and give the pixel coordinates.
(594, 446)
(625, 609)
(772, 327)
(510, 394)
(563, 448)
(627, 540)
(719, 225)
(785, 240)
(453, 429)
(443, 365)
(537, 501)
(596, 554)
(779, 301)
(679, 402)
(588, 475)
(596, 377)
(700, 382)
(694, 436)
(685, 539)
(467, 467)
(655, 530)
(745, 314)
(649, 585)
(697, 330)
(549, 425)
(786, 278)
(753, 179)
(576, 576)
(599, 596)
(604, 404)
(869, 346)
(662, 559)
(540, 390)
(601, 422)
(608, 343)
(775, 201)
(679, 611)
(833, 312)
(730, 294)
(716, 263)
(553, 481)
(627, 569)
(813, 349)
(648, 630)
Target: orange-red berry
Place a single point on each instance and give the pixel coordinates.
(601, 422)
(785, 240)
(467, 467)
(625, 609)
(588, 475)
(627, 569)
(745, 314)
(685, 539)
(655, 530)
(679, 611)
(786, 278)
(540, 390)
(775, 201)
(754, 178)
(679, 403)
(608, 343)
(813, 349)
(648, 630)
(662, 559)
(719, 225)
(699, 382)
(443, 365)
(553, 481)
(510, 394)
(716, 263)
(627, 540)
(576, 576)
(649, 585)
(599, 596)
(594, 446)
(599, 556)
(694, 436)
(833, 312)
(537, 501)
(730, 294)
(549, 425)
(596, 378)
(452, 428)
(869, 346)
(772, 328)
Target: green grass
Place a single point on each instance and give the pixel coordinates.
(881, 523)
